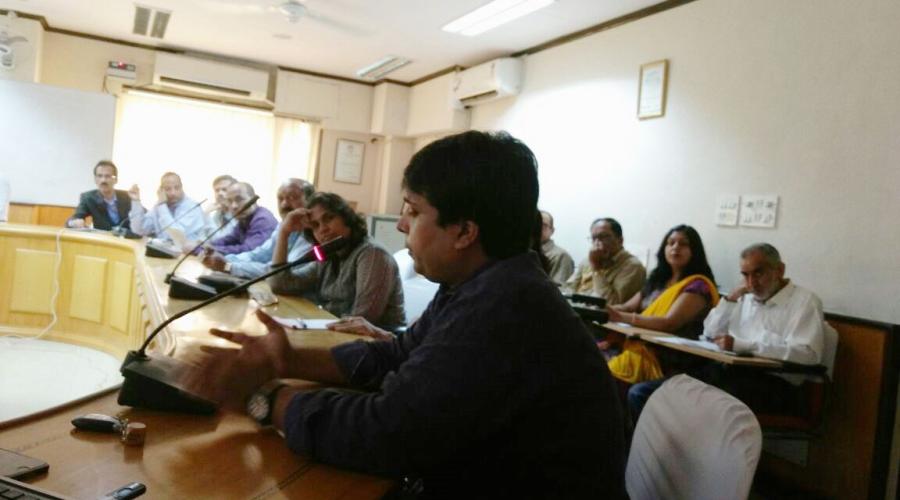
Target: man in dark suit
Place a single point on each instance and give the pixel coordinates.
(108, 207)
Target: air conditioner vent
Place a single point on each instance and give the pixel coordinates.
(150, 21)
(203, 86)
(211, 79)
(487, 82)
(484, 96)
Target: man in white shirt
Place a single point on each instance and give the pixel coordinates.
(771, 317)
(765, 316)
(768, 315)
(173, 209)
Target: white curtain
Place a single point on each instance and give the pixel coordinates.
(199, 141)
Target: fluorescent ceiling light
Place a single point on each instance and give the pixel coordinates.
(494, 14)
(382, 67)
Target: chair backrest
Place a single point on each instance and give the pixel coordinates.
(405, 264)
(693, 441)
(417, 290)
(830, 349)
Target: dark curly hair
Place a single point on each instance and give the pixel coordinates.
(336, 205)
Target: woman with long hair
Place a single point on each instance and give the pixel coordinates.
(361, 279)
(677, 296)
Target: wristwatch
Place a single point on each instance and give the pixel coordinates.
(261, 404)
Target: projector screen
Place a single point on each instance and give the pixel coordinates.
(50, 139)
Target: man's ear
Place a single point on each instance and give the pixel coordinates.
(467, 235)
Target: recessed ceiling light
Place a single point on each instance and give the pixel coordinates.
(282, 36)
(494, 14)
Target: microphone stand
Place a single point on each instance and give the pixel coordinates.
(181, 288)
(153, 382)
(154, 250)
(167, 226)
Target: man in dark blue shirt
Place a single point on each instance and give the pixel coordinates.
(497, 391)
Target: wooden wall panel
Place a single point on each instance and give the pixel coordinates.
(119, 299)
(32, 281)
(51, 215)
(841, 461)
(22, 214)
(88, 288)
(42, 215)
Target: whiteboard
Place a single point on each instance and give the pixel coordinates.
(50, 140)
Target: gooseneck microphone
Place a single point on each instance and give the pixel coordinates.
(154, 382)
(120, 229)
(176, 219)
(163, 252)
(186, 289)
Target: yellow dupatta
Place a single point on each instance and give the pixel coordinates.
(637, 363)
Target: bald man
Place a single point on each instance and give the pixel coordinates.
(254, 225)
(292, 194)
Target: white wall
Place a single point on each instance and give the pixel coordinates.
(80, 63)
(431, 110)
(364, 194)
(796, 98)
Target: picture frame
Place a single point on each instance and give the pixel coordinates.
(348, 161)
(652, 89)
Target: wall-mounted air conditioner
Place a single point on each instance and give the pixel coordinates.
(210, 78)
(487, 82)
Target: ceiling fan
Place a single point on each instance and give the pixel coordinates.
(293, 11)
(14, 48)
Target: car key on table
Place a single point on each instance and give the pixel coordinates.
(98, 422)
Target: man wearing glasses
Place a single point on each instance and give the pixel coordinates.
(106, 206)
(609, 271)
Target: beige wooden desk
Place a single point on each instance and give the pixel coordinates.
(184, 456)
(654, 337)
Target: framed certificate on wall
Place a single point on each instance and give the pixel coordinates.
(348, 161)
(652, 90)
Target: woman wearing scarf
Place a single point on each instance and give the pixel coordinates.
(360, 280)
(677, 296)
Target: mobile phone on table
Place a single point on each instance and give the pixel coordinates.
(18, 466)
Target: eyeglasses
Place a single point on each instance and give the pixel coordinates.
(600, 238)
(105, 176)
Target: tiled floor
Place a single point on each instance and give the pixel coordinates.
(38, 374)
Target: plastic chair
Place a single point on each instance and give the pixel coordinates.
(417, 290)
(693, 441)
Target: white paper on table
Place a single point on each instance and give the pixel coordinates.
(178, 237)
(702, 344)
(304, 324)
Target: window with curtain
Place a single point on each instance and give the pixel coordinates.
(198, 140)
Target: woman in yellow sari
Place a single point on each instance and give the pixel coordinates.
(677, 296)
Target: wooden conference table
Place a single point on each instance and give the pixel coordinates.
(110, 297)
(665, 339)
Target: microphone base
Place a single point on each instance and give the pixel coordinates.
(180, 288)
(153, 383)
(160, 251)
(222, 282)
